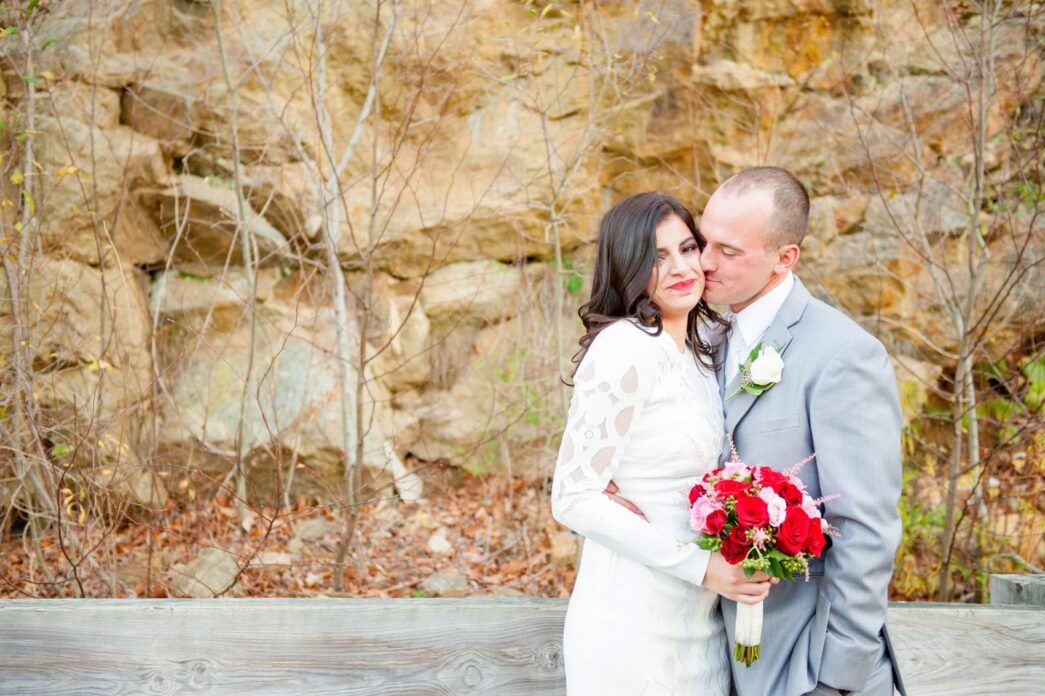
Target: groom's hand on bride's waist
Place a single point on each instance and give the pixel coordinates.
(611, 493)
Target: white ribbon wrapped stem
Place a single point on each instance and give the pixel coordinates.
(748, 633)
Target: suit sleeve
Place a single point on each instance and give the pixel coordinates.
(856, 420)
(613, 383)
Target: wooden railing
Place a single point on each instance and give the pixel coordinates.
(419, 646)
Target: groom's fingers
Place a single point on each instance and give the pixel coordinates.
(627, 504)
(611, 491)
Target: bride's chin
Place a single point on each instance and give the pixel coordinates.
(679, 311)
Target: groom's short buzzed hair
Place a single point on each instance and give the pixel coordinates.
(790, 200)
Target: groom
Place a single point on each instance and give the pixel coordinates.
(836, 397)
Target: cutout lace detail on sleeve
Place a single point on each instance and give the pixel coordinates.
(611, 387)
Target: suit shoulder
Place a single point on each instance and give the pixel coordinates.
(843, 330)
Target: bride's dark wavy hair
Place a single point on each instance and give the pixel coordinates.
(625, 258)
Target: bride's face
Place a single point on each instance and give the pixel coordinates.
(677, 282)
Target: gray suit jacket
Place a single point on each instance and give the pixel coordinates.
(837, 397)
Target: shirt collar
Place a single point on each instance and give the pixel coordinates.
(753, 320)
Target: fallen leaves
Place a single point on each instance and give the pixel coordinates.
(494, 531)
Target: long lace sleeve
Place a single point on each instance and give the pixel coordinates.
(613, 384)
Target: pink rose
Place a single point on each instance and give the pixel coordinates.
(810, 508)
(731, 467)
(775, 505)
(698, 515)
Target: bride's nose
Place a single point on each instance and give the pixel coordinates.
(679, 266)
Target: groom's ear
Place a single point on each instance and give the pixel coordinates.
(787, 257)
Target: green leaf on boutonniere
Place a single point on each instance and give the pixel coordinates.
(753, 354)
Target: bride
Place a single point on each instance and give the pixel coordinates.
(646, 413)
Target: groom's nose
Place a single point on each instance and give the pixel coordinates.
(706, 262)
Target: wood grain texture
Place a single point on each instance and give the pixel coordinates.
(417, 646)
(1018, 589)
(281, 646)
(969, 650)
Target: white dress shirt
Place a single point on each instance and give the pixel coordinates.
(751, 322)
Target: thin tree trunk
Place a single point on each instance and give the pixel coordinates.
(951, 500)
(246, 238)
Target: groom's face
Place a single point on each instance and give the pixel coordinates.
(738, 266)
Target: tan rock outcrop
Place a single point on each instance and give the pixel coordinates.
(290, 398)
(202, 224)
(400, 330)
(83, 209)
(88, 334)
(486, 290)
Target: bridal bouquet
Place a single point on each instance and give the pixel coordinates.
(759, 519)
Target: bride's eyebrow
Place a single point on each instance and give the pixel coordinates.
(684, 242)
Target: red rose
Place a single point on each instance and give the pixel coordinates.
(738, 533)
(752, 511)
(771, 479)
(729, 488)
(714, 522)
(790, 493)
(733, 550)
(695, 493)
(793, 531)
(815, 541)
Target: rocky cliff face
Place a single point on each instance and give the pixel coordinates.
(197, 175)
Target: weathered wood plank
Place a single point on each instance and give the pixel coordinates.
(1018, 589)
(390, 647)
(969, 649)
(468, 646)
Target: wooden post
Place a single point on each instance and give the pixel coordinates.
(1018, 589)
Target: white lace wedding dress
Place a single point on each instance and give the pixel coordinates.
(639, 623)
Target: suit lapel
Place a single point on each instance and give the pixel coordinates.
(777, 335)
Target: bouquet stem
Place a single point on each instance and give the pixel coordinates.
(746, 654)
(747, 647)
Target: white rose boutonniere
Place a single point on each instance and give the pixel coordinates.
(762, 369)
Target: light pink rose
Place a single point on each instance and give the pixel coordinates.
(810, 508)
(797, 483)
(777, 506)
(700, 511)
(733, 467)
